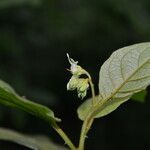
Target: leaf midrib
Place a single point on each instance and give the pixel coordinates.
(100, 103)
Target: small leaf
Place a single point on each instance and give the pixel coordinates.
(139, 97)
(125, 73)
(10, 98)
(37, 142)
(85, 107)
(104, 110)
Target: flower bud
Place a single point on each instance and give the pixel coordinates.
(73, 83)
(81, 84)
(75, 69)
(82, 88)
(82, 94)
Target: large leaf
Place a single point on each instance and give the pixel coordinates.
(126, 72)
(32, 142)
(10, 98)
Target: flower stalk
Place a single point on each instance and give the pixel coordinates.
(82, 85)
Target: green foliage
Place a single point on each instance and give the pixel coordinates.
(8, 135)
(10, 98)
(32, 32)
(108, 107)
(126, 72)
(37, 142)
(103, 110)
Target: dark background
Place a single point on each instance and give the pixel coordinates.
(35, 36)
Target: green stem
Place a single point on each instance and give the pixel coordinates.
(92, 88)
(89, 119)
(64, 137)
(85, 128)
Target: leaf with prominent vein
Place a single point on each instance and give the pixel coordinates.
(10, 98)
(105, 109)
(125, 73)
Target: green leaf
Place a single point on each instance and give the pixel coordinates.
(125, 73)
(85, 107)
(13, 136)
(10, 98)
(6, 87)
(45, 144)
(106, 107)
(139, 97)
(37, 142)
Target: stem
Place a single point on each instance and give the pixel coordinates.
(89, 119)
(92, 88)
(64, 137)
(85, 128)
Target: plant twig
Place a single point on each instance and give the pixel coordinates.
(89, 119)
(64, 137)
(92, 88)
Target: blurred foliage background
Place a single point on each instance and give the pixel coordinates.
(35, 36)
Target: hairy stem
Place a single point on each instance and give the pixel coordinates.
(89, 119)
(64, 137)
(92, 88)
(85, 128)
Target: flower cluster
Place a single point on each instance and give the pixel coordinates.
(81, 84)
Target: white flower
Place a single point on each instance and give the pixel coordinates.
(82, 88)
(74, 68)
(73, 83)
(80, 84)
(77, 83)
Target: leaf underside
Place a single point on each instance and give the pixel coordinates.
(126, 72)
